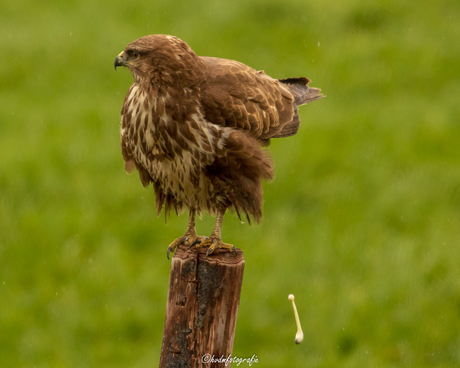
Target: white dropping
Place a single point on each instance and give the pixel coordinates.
(299, 334)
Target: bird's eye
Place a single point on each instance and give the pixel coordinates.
(134, 54)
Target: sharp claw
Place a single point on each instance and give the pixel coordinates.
(185, 239)
(195, 242)
(233, 249)
(208, 252)
(167, 254)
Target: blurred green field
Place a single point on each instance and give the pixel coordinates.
(362, 223)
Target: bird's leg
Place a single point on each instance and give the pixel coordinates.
(190, 238)
(215, 240)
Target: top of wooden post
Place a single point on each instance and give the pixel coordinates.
(219, 256)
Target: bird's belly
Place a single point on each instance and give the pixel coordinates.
(180, 177)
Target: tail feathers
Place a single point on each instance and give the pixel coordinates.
(312, 95)
(300, 90)
(302, 95)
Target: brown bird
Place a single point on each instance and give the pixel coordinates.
(194, 127)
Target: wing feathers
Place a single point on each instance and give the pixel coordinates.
(235, 95)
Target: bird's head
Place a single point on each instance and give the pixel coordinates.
(161, 59)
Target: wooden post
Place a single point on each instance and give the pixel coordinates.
(202, 308)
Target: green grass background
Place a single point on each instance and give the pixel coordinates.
(362, 223)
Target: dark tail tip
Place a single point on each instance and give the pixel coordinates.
(302, 93)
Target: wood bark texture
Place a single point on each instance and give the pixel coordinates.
(202, 307)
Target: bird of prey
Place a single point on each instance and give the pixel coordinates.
(195, 128)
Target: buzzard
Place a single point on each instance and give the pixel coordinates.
(195, 126)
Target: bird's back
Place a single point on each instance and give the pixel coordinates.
(238, 96)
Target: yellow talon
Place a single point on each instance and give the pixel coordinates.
(214, 243)
(187, 240)
(190, 238)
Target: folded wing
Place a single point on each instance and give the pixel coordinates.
(235, 95)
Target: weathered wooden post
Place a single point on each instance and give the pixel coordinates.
(202, 307)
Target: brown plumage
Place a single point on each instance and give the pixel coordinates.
(195, 126)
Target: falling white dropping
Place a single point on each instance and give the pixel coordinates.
(299, 334)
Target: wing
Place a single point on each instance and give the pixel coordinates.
(235, 95)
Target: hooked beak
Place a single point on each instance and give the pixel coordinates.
(120, 60)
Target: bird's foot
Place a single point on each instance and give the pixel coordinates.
(215, 243)
(189, 240)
